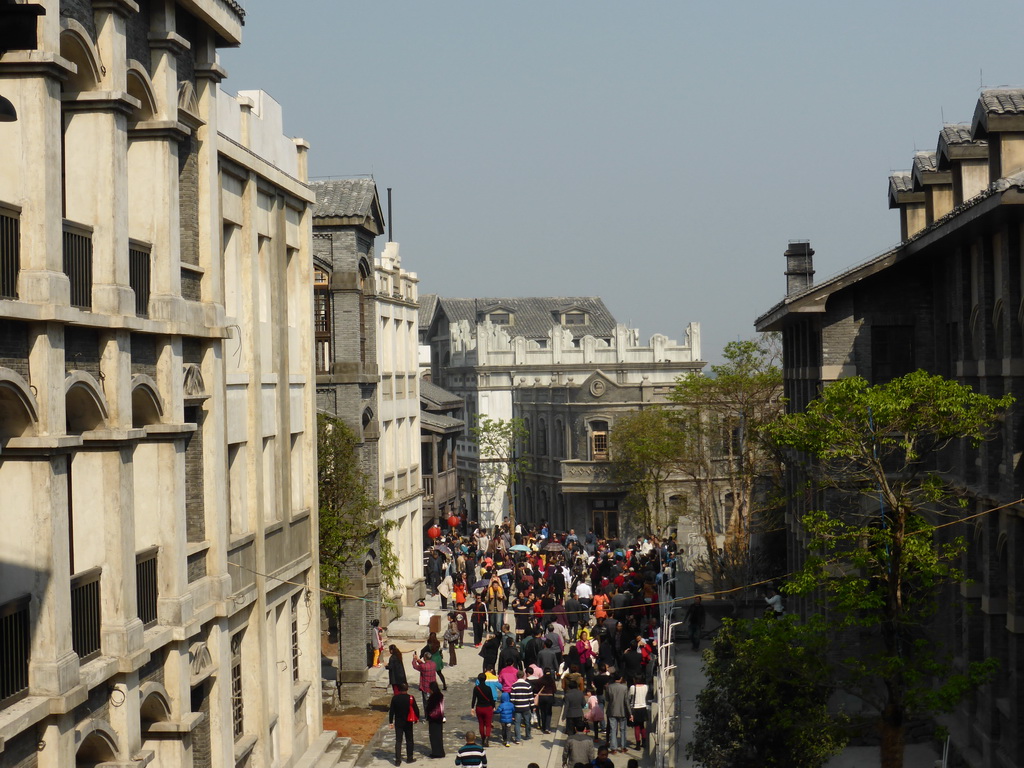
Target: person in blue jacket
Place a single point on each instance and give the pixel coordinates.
(506, 712)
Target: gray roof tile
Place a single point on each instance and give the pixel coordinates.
(901, 181)
(438, 397)
(1003, 101)
(924, 162)
(534, 316)
(344, 198)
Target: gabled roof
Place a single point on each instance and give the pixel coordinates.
(998, 109)
(348, 202)
(429, 303)
(926, 172)
(433, 396)
(901, 189)
(956, 143)
(438, 422)
(813, 298)
(533, 316)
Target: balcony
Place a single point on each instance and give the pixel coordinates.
(138, 274)
(78, 263)
(15, 640)
(587, 476)
(441, 487)
(85, 614)
(146, 586)
(10, 252)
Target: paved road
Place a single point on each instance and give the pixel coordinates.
(544, 750)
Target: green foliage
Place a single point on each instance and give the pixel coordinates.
(500, 442)
(645, 448)
(879, 564)
(350, 517)
(765, 702)
(734, 467)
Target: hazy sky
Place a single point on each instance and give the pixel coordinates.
(658, 154)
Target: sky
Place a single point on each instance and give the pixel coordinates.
(660, 155)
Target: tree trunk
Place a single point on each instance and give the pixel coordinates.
(892, 737)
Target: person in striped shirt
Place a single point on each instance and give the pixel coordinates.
(471, 755)
(522, 700)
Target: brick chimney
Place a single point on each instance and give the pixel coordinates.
(799, 266)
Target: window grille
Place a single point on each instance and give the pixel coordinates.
(86, 614)
(78, 263)
(15, 649)
(237, 719)
(10, 252)
(146, 588)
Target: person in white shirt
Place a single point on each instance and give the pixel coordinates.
(584, 592)
(774, 600)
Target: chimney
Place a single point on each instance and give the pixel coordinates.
(799, 266)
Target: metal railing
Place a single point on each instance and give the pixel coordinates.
(85, 614)
(15, 649)
(146, 586)
(138, 274)
(10, 252)
(78, 263)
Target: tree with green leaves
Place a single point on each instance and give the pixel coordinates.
(645, 449)
(350, 515)
(875, 553)
(500, 449)
(765, 703)
(731, 465)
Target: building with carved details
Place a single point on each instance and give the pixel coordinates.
(568, 369)
(947, 300)
(367, 365)
(440, 427)
(158, 583)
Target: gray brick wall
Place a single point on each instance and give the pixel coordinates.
(80, 11)
(22, 750)
(137, 34)
(143, 355)
(188, 199)
(14, 346)
(202, 754)
(81, 350)
(195, 516)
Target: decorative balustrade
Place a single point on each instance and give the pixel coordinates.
(86, 614)
(78, 263)
(139, 274)
(15, 648)
(147, 588)
(10, 251)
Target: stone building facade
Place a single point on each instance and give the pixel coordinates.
(441, 424)
(158, 584)
(567, 368)
(945, 300)
(398, 407)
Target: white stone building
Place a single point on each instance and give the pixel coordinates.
(398, 412)
(498, 353)
(158, 581)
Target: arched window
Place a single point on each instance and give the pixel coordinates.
(542, 438)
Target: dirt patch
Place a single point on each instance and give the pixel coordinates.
(357, 723)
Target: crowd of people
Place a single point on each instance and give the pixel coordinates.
(550, 616)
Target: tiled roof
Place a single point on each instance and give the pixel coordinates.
(428, 308)
(344, 198)
(533, 317)
(1003, 101)
(438, 397)
(439, 421)
(924, 162)
(957, 133)
(901, 181)
(237, 8)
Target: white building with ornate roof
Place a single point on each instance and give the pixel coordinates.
(559, 364)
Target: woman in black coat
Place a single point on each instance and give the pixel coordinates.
(396, 668)
(435, 720)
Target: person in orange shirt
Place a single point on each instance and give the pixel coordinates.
(600, 603)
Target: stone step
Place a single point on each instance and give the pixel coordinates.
(311, 757)
(351, 754)
(332, 756)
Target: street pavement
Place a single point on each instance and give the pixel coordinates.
(543, 749)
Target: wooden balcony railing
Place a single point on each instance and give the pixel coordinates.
(15, 649)
(146, 586)
(10, 252)
(78, 263)
(85, 614)
(138, 274)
